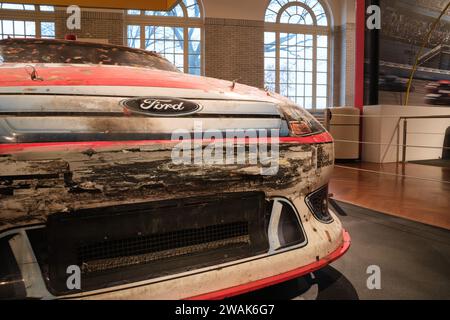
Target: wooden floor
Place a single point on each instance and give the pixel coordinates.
(420, 196)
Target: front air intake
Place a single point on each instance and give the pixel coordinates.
(317, 202)
(133, 242)
(127, 252)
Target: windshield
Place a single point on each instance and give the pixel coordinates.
(73, 52)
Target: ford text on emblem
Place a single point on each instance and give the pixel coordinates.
(164, 107)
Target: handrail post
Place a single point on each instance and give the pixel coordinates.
(405, 132)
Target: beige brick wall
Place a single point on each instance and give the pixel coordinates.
(234, 49)
(94, 24)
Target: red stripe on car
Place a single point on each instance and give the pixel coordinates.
(324, 137)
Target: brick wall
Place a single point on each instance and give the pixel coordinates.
(94, 24)
(234, 49)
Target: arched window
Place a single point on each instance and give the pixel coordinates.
(296, 51)
(176, 34)
(35, 22)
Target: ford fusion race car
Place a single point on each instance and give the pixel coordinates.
(122, 178)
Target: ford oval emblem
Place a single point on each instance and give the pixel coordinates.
(162, 107)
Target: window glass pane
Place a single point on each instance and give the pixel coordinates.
(308, 65)
(308, 53)
(308, 77)
(134, 12)
(48, 30)
(13, 6)
(321, 91)
(194, 34)
(308, 90)
(194, 61)
(308, 19)
(269, 64)
(269, 77)
(295, 13)
(269, 61)
(322, 41)
(194, 46)
(195, 71)
(159, 47)
(284, 39)
(134, 36)
(8, 28)
(283, 89)
(30, 29)
(321, 78)
(273, 8)
(193, 9)
(322, 19)
(308, 103)
(322, 65)
(322, 53)
(19, 28)
(47, 8)
(321, 103)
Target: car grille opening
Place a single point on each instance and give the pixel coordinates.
(133, 242)
(317, 202)
(132, 251)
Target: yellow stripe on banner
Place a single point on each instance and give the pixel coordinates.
(159, 5)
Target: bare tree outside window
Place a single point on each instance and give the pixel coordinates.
(296, 51)
(175, 34)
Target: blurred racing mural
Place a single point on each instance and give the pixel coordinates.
(404, 29)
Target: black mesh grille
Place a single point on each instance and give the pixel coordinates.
(317, 202)
(134, 242)
(131, 251)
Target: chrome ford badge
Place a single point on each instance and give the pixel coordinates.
(163, 107)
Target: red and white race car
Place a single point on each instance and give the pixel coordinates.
(122, 178)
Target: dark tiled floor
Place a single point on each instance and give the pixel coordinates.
(414, 260)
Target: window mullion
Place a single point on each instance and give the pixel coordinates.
(37, 29)
(186, 49)
(277, 62)
(314, 71)
(330, 74)
(142, 35)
